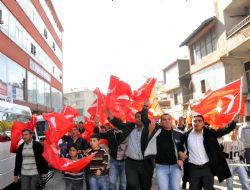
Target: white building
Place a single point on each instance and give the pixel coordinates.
(81, 100)
(220, 49)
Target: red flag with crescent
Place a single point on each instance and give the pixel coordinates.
(221, 105)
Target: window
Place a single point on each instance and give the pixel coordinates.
(204, 46)
(1, 17)
(208, 43)
(47, 93)
(33, 49)
(203, 86)
(56, 99)
(12, 26)
(77, 95)
(214, 40)
(3, 75)
(19, 34)
(5, 19)
(176, 99)
(32, 88)
(54, 46)
(16, 80)
(247, 69)
(40, 92)
(45, 34)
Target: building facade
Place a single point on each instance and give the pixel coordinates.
(177, 88)
(31, 59)
(219, 49)
(81, 100)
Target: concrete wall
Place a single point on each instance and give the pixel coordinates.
(214, 77)
(172, 77)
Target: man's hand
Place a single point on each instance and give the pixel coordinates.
(183, 156)
(147, 102)
(98, 172)
(180, 163)
(16, 179)
(236, 118)
(151, 126)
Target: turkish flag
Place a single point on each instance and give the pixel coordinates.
(117, 88)
(97, 108)
(16, 131)
(69, 112)
(59, 123)
(155, 110)
(89, 128)
(221, 105)
(144, 91)
(243, 109)
(64, 164)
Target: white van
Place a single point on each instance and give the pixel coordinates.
(10, 112)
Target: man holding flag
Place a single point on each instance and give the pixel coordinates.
(205, 157)
(138, 170)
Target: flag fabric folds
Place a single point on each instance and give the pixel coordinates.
(64, 164)
(16, 131)
(221, 105)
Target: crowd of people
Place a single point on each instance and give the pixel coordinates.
(179, 154)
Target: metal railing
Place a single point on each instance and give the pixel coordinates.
(239, 26)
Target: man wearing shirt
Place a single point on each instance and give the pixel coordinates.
(139, 171)
(205, 158)
(29, 162)
(164, 144)
(234, 150)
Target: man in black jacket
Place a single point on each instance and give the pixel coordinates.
(205, 158)
(29, 162)
(164, 145)
(139, 171)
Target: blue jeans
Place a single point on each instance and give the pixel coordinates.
(242, 173)
(168, 177)
(117, 169)
(99, 182)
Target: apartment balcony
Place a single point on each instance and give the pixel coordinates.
(238, 38)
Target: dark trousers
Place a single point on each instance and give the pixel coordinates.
(74, 184)
(247, 156)
(30, 182)
(200, 177)
(139, 174)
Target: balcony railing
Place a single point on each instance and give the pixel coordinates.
(239, 26)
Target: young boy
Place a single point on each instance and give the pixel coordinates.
(74, 181)
(98, 166)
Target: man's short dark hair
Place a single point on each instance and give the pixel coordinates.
(200, 116)
(29, 130)
(167, 114)
(80, 122)
(139, 112)
(95, 136)
(73, 145)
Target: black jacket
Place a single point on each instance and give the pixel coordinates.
(216, 157)
(177, 137)
(41, 163)
(113, 138)
(127, 128)
(80, 142)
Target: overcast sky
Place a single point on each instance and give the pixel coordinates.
(131, 39)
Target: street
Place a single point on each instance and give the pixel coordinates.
(57, 183)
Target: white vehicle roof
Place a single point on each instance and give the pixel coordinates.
(7, 107)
